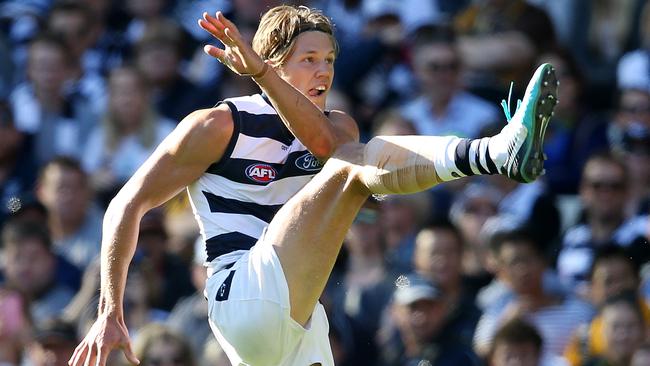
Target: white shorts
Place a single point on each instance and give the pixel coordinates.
(249, 313)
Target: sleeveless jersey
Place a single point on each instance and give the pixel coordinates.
(263, 166)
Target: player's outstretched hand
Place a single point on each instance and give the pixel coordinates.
(237, 54)
(106, 334)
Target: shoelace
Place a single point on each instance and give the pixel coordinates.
(506, 105)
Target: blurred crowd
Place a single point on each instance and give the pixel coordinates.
(474, 272)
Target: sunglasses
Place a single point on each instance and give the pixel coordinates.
(605, 185)
(433, 66)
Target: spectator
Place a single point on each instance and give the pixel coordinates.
(130, 131)
(443, 107)
(362, 292)
(158, 345)
(74, 22)
(402, 217)
(158, 56)
(17, 167)
(419, 313)
(499, 41)
(29, 265)
(533, 206)
(170, 277)
(75, 224)
(469, 212)
(189, 314)
(623, 331)
(53, 343)
(521, 266)
(630, 138)
(438, 258)
(60, 123)
(518, 343)
(613, 272)
(603, 192)
(601, 32)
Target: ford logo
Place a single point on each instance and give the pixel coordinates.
(262, 173)
(308, 162)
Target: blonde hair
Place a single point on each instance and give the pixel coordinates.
(280, 26)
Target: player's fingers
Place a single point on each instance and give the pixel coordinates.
(213, 20)
(215, 52)
(77, 354)
(231, 37)
(226, 22)
(90, 355)
(208, 27)
(102, 356)
(128, 352)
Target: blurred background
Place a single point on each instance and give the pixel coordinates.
(480, 271)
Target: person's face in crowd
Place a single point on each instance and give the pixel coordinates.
(641, 357)
(437, 68)
(159, 62)
(310, 66)
(47, 68)
(163, 352)
(438, 256)
(421, 320)
(623, 330)
(398, 216)
(365, 236)
(611, 277)
(473, 215)
(128, 99)
(73, 27)
(515, 354)
(145, 8)
(29, 267)
(521, 267)
(65, 193)
(634, 107)
(603, 189)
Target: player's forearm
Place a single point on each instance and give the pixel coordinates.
(303, 118)
(120, 231)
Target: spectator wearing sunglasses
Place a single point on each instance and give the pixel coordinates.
(443, 107)
(604, 193)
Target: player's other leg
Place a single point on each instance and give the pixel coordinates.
(308, 231)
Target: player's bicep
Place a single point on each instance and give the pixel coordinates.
(198, 141)
(346, 127)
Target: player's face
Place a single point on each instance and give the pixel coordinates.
(310, 68)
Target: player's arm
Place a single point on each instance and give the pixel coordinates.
(198, 141)
(319, 133)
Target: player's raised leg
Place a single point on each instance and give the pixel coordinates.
(308, 231)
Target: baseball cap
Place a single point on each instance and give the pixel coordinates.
(411, 288)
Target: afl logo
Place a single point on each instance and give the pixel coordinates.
(262, 173)
(308, 162)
